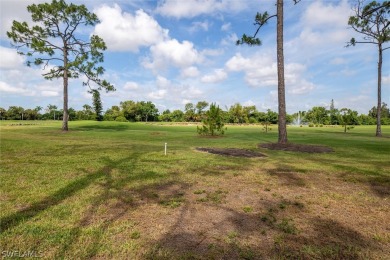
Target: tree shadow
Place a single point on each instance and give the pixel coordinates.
(288, 175)
(56, 198)
(105, 127)
(126, 200)
(378, 182)
(222, 232)
(214, 237)
(325, 239)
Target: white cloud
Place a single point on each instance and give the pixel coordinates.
(159, 94)
(192, 8)
(172, 53)
(190, 72)
(248, 103)
(324, 26)
(190, 92)
(130, 85)
(226, 27)
(123, 31)
(320, 14)
(230, 40)
(5, 87)
(162, 82)
(261, 71)
(386, 80)
(197, 26)
(218, 76)
(212, 52)
(49, 93)
(14, 10)
(10, 59)
(338, 61)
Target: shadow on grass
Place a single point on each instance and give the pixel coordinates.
(13, 220)
(118, 200)
(114, 127)
(69, 190)
(371, 175)
(221, 232)
(288, 175)
(326, 239)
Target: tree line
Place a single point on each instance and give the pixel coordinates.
(146, 111)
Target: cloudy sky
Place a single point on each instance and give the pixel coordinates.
(172, 52)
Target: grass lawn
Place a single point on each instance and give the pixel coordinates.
(106, 190)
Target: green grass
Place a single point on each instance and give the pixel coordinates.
(76, 194)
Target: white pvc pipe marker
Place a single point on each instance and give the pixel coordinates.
(165, 151)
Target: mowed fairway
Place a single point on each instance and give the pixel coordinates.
(106, 190)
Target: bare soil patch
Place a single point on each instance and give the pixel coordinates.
(232, 152)
(306, 148)
(258, 215)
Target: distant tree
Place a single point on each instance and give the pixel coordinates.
(97, 104)
(112, 113)
(267, 119)
(385, 111)
(129, 110)
(212, 123)
(366, 120)
(260, 21)
(270, 116)
(200, 106)
(372, 21)
(348, 118)
(52, 109)
(237, 114)
(2, 113)
(38, 109)
(88, 113)
(54, 39)
(15, 113)
(165, 116)
(318, 115)
(177, 116)
(72, 114)
(333, 114)
(30, 114)
(147, 111)
(189, 112)
(251, 114)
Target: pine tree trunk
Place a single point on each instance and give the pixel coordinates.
(379, 106)
(281, 86)
(65, 115)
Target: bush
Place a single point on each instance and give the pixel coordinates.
(321, 125)
(311, 125)
(121, 119)
(212, 123)
(252, 120)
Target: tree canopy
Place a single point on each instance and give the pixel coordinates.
(373, 23)
(54, 43)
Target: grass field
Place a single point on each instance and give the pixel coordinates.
(106, 190)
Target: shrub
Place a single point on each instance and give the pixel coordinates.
(121, 119)
(311, 125)
(212, 122)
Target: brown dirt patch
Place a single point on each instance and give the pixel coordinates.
(231, 152)
(305, 148)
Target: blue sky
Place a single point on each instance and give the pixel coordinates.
(172, 52)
